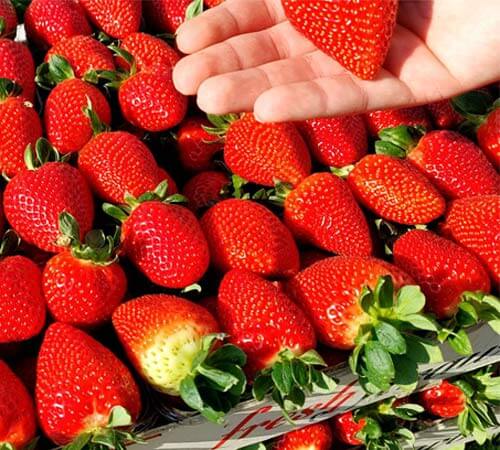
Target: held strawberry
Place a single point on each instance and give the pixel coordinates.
(8, 19)
(242, 234)
(391, 118)
(85, 284)
(312, 437)
(204, 189)
(356, 34)
(174, 344)
(34, 198)
(84, 393)
(17, 411)
(16, 64)
(163, 240)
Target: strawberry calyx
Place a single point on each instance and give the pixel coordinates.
(115, 78)
(53, 72)
(342, 172)
(290, 379)
(97, 125)
(194, 9)
(9, 243)
(399, 141)
(388, 339)
(9, 88)
(475, 106)
(220, 125)
(113, 436)
(216, 380)
(390, 232)
(43, 154)
(98, 247)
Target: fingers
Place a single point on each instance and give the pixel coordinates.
(240, 52)
(231, 18)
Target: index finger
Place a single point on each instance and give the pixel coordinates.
(229, 19)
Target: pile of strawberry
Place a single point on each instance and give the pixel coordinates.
(366, 238)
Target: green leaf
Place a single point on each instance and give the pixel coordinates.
(282, 376)
(406, 375)
(384, 292)
(409, 301)
(322, 382)
(69, 227)
(460, 342)
(194, 9)
(295, 399)
(372, 430)
(409, 411)
(379, 366)
(421, 322)
(422, 351)
(239, 388)
(115, 212)
(228, 353)
(260, 446)
(79, 443)
(224, 380)
(262, 386)
(390, 338)
(466, 315)
(367, 300)
(207, 343)
(389, 149)
(312, 358)
(119, 417)
(190, 394)
(301, 373)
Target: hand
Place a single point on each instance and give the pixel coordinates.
(244, 55)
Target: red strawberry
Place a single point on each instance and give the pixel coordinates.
(82, 388)
(213, 3)
(19, 127)
(442, 268)
(245, 235)
(488, 136)
(345, 428)
(147, 51)
(2, 217)
(149, 100)
(166, 15)
(312, 437)
(395, 191)
(443, 115)
(261, 319)
(17, 412)
(445, 400)
(336, 142)
(85, 284)
(168, 338)
(118, 18)
(309, 257)
(473, 223)
(322, 211)
(356, 34)
(8, 19)
(83, 53)
(390, 118)
(172, 185)
(34, 199)
(49, 21)
(455, 165)
(196, 146)
(16, 64)
(203, 190)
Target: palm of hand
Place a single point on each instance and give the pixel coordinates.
(245, 55)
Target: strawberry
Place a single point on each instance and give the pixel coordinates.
(356, 34)
(473, 223)
(444, 400)
(213, 3)
(455, 165)
(17, 412)
(67, 116)
(337, 141)
(85, 284)
(245, 235)
(147, 50)
(395, 190)
(346, 429)
(34, 198)
(442, 268)
(391, 118)
(196, 146)
(49, 21)
(163, 240)
(172, 185)
(116, 163)
(488, 137)
(312, 437)
(20, 127)
(84, 54)
(443, 115)
(16, 64)
(309, 257)
(8, 19)
(22, 306)
(170, 341)
(322, 211)
(166, 15)
(83, 390)
(2, 217)
(117, 18)
(204, 189)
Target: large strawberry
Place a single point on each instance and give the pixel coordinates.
(17, 412)
(8, 19)
(170, 341)
(116, 163)
(166, 15)
(204, 189)
(346, 429)
(22, 306)
(395, 190)
(322, 211)
(357, 34)
(16, 64)
(165, 241)
(337, 141)
(473, 223)
(20, 127)
(245, 235)
(262, 153)
(443, 115)
(83, 391)
(34, 199)
(455, 165)
(118, 18)
(312, 437)
(85, 284)
(390, 118)
(49, 21)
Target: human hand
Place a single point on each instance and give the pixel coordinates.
(244, 55)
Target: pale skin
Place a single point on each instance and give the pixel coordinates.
(244, 55)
